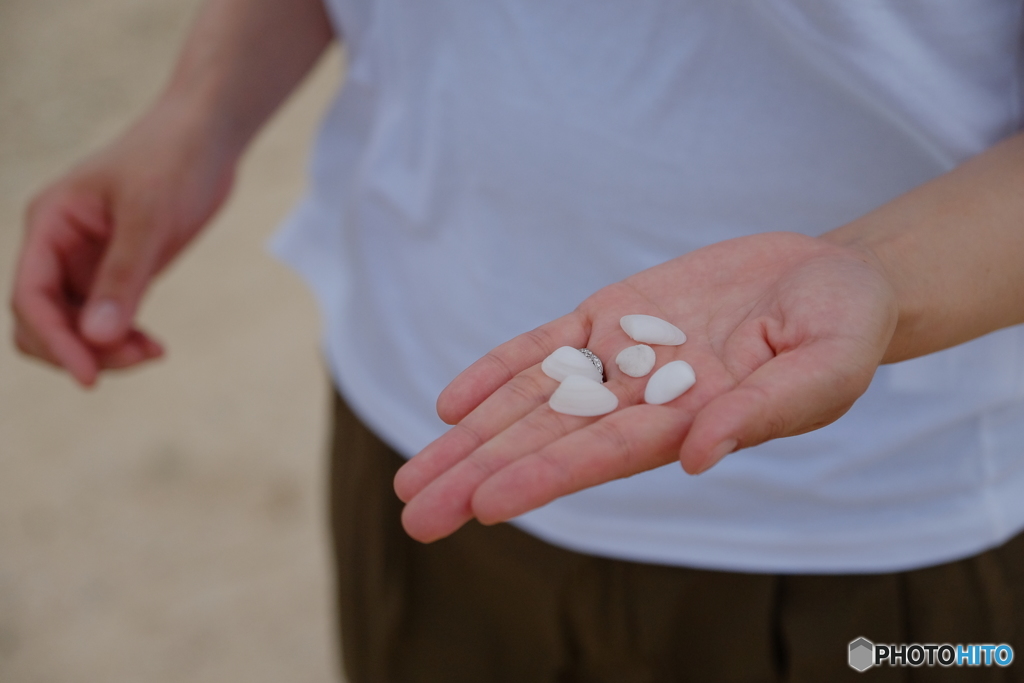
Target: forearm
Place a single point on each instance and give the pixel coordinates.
(953, 250)
(240, 61)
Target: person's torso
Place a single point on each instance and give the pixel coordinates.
(489, 165)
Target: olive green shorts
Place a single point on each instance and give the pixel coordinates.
(496, 604)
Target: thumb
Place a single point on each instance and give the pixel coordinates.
(121, 279)
(793, 393)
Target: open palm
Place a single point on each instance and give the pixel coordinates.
(784, 334)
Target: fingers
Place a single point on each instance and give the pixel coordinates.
(619, 445)
(482, 378)
(122, 277)
(136, 348)
(540, 458)
(63, 350)
(510, 420)
(593, 449)
(45, 325)
(66, 353)
(793, 393)
(506, 403)
(444, 504)
(545, 455)
(65, 235)
(509, 403)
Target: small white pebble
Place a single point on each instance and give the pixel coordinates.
(579, 395)
(651, 330)
(635, 361)
(669, 382)
(565, 361)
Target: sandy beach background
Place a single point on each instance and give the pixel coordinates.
(168, 525)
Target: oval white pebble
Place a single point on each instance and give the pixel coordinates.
(565, 361)
(669, 382)
(635, 361)
(651, 330)
(580, 395)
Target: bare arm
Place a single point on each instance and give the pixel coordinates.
(97, 237)
(240, 61)
(953, 250)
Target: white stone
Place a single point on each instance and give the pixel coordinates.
(669, 382)
(580, 395)
(635, 361)
(565, 361)
(651, 330)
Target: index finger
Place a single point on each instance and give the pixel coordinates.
(43, 314)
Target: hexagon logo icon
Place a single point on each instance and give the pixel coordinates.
(862, 654)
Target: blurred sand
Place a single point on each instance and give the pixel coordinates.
(169, 525)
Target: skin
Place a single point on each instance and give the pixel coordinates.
(97, 237)
(785, 331)
(779, 315)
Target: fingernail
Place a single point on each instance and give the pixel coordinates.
(720, 451)
(101, 321)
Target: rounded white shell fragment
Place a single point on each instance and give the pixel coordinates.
(651, 330)
(669, 382)
(635, 361)
(565, 361)
(580, 395)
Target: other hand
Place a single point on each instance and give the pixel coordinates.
(97, 237)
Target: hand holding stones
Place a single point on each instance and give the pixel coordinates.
(784, 333)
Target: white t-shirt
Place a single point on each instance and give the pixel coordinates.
(488, 165)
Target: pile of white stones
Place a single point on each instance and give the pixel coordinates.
(581, 390)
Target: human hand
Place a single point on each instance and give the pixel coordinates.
(784, 334)
(97, 237)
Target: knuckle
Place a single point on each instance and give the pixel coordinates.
(27, 345)
(525, 389)
(483, 467)
(562, 476)
(503, 367)
(773, 421)
(472, 436)
(41, 206)
(21, 309)
(775, 426)
(611, 432)
(541, 338)
(550, 424)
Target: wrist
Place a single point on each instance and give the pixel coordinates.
(179, 134)
(196, 114)
(878, 250)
